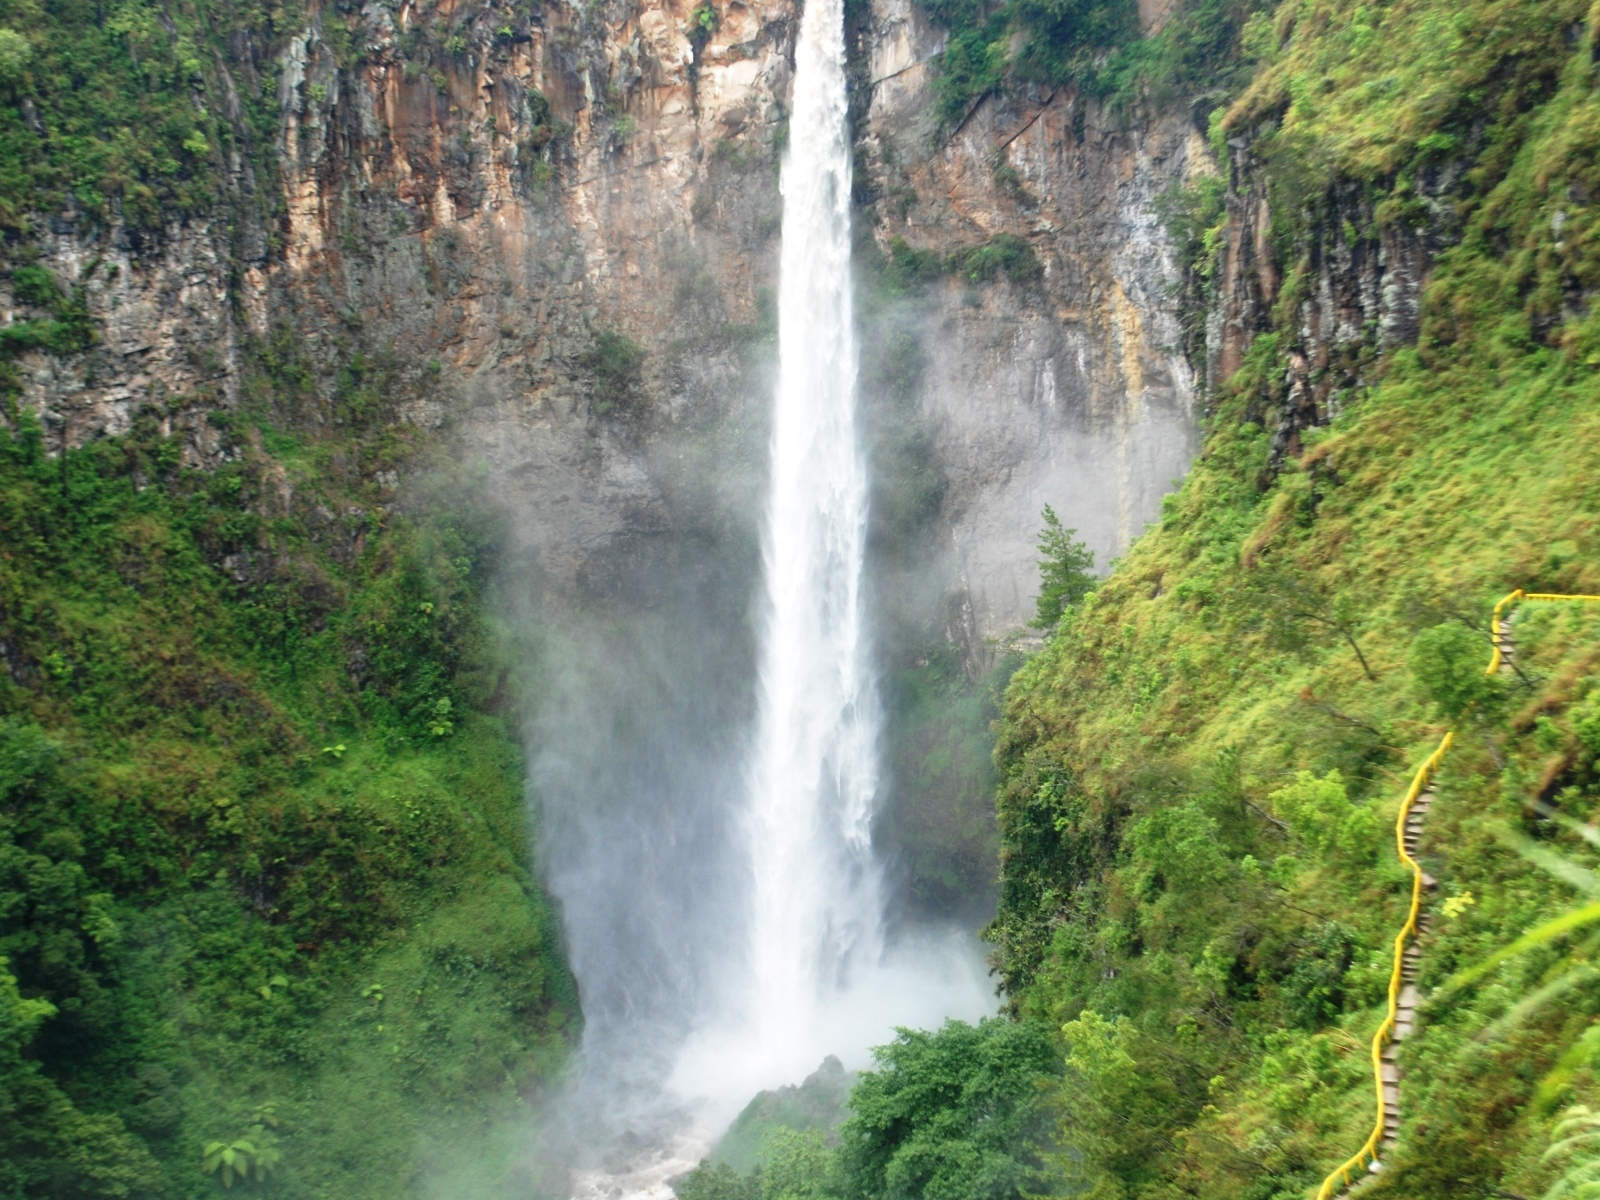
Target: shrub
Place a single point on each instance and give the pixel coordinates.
(1447, 662)
(615, 360)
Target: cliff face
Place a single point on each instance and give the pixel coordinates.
(1356, 296)
(1070, 390)
(557, 236)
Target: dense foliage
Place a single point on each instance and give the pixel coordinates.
(262, 858)
(119, 109)
(1096, 46)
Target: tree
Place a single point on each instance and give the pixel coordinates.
(1290, 604)
(16, 54)
(1065, 570)
(716, 1181)
(797, 1165)
(1322, 816)
(1447, 662)
(955, 1115)
(48, 1147)
(1118, 1104)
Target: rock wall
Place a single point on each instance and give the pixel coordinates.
(1070, 390)
(555, 234)
(1342, 278)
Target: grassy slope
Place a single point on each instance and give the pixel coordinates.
(1157, 864)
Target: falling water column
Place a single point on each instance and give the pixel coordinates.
(813, 773)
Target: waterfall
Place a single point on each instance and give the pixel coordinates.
(813, 771)
(724, 910)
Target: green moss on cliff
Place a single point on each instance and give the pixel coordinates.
(132, 109)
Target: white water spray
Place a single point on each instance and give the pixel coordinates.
(666, 964)
(817, 908)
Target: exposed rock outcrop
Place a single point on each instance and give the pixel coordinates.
(1344, 282)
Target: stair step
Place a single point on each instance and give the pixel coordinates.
(1389, 1072)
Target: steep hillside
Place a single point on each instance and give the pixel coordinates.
(1202, 767)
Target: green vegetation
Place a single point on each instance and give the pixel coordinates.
(907, 270)
(957, 1114)
(265, 918)
(114, 110)
(133, 110)
(1066, 570)
(816, 1106)
(1096, 46)
(614, 362)
(1201, 768)
(63, 325)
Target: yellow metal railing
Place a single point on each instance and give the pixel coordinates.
(1512, 598)
(1369, 1149)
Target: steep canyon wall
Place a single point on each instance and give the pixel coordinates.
(553, 233)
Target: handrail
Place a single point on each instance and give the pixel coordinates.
(1512, 598)
(1369, 1148)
